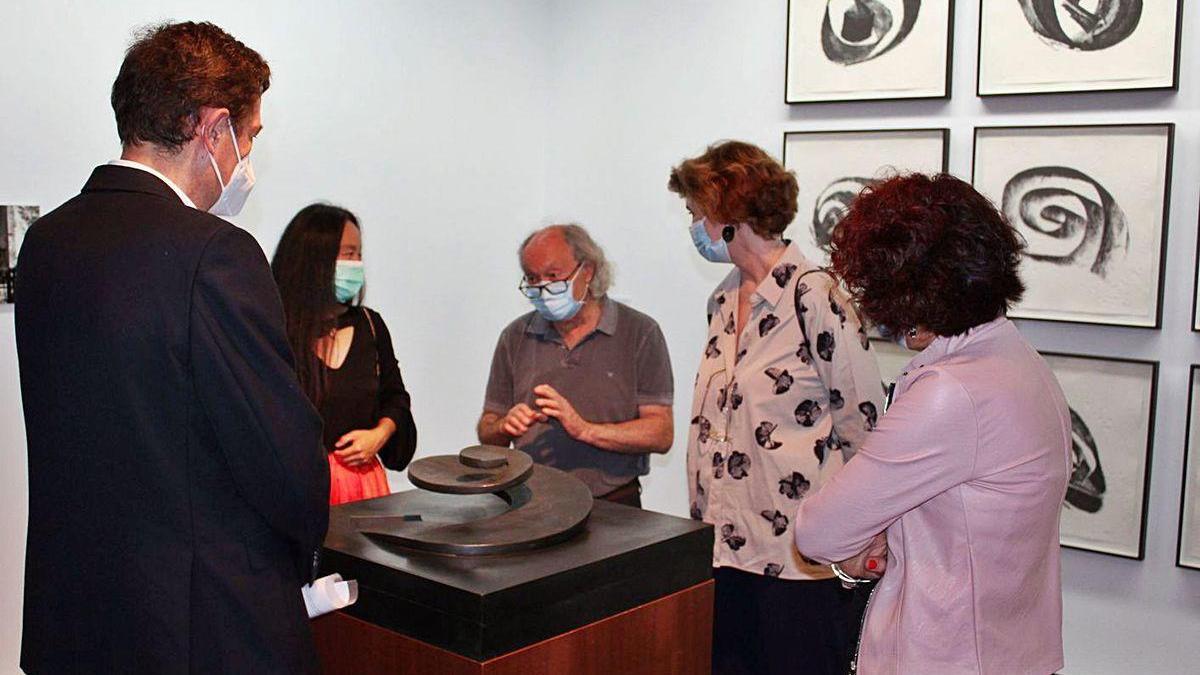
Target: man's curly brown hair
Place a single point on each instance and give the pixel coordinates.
(928, 251)
(735, 182)
(172, 70)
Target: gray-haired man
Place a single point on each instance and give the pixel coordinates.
(583, 383)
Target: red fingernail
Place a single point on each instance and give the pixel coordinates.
(871, 564)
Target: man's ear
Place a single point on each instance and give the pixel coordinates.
(211, 123)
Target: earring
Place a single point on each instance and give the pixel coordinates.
(912, 332)
(727, 233)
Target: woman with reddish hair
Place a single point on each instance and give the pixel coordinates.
(787, 390)
(965, 474)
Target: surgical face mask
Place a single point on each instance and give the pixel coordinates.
(241, 181)
(558, 306)
(712, 251)
(348, 278)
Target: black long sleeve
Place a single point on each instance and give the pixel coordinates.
(394, 401)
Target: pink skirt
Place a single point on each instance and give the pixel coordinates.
(353, 483)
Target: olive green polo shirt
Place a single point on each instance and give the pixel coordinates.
(621, 365)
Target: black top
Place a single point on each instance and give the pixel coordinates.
(177, 488)
(367, 387)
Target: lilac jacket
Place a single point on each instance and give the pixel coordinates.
(966, 472)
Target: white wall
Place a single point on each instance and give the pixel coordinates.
(453, 126)
(426, 118)
(638, 85)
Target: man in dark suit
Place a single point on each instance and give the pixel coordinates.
(177, 486)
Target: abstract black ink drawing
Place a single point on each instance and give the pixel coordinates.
(1066, 217)
(1088, 26)
(831, 206)
(1085, 487)
(15, 221)
(854, 31)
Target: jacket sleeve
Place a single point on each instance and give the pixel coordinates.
(841, 355)
(394, 401)
(925, 445)
(266, 428)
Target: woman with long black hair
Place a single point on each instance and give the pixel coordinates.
(344, 355)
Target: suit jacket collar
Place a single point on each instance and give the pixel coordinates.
(111, 178)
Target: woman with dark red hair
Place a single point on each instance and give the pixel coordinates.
(787, 390)
(965, 474)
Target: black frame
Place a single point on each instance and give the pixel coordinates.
(1166, 208)
(948, 86)
(1153, 415)
(1184, 484)
(1196, 286)
(945, 132)
(1174, 86)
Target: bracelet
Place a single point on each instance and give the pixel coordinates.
(847, 580)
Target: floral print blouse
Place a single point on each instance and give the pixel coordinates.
(776, 411)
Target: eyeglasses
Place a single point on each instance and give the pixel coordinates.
(558, 287)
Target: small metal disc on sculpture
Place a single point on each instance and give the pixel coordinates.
(485, 500)
(481, 469)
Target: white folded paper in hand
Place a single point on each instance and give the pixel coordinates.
(328, 594)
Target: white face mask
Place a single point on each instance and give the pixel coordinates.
(233, 194)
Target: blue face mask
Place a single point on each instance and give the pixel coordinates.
(348, 278)
(560, 306)
(712, 251)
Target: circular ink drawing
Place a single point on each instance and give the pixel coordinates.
(854, 31)
(1086, 25)
(1085, 487)
(831, 206)
(1066, 218)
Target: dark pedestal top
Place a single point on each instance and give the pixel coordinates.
(484, 606)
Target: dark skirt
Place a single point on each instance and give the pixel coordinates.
(767, 626)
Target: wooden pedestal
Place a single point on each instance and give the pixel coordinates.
(669, 636)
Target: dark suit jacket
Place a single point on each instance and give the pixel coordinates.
(177, 485)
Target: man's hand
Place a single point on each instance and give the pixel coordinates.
(554, 404)
(871, 562)
(519, 419)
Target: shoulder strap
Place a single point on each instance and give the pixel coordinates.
(374, 336)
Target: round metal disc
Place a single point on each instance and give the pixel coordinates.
(550, 507)
(449, 474)
(484, 456)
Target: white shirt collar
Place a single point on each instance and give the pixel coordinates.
(130, 164)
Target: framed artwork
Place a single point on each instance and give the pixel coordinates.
(832, 167)
(1196, 294)
(17, 220)
(1112, 405)
(1091, 203)
(1188, 553)
(854, 50)
(1056, 46)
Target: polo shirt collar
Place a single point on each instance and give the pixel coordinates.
(538, 325)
